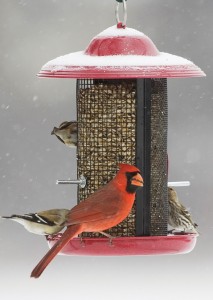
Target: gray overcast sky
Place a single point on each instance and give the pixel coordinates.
(34, 32)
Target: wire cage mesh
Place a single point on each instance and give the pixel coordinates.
(158, 158)
(110, 131)
(106, 135)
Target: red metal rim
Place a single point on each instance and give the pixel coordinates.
(124, 72)
(154, 245)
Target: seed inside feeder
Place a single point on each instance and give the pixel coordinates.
(107, 130)
(106, 136)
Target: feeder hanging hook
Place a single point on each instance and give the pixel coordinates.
(119, 23)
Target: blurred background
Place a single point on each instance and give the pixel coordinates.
(34, 32)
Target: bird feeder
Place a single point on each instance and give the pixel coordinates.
(122, 117)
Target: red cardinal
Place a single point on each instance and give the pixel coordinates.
(102, 210)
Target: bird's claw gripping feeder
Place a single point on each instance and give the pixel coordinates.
(122, 117)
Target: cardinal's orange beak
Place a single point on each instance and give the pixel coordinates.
(137, 180)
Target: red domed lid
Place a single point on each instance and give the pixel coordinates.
(122, 45)
(120, 53)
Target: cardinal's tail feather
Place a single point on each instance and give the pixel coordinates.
(68, 234)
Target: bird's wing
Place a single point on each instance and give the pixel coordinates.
(55, 216)
(37, 218)
(187, 215)
(60, 139)
(28, 217)
(31, 217)
(104, 204)
(66, 124)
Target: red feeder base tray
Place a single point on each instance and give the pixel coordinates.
(152, 245)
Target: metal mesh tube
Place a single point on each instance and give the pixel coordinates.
(106, 136)
(158, 157)
(109, 121)
(151, 157)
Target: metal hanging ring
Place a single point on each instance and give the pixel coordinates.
(119, 23)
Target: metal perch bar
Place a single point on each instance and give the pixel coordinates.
(179, 183)
(81, 181)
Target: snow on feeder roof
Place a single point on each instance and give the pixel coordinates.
(120, 53)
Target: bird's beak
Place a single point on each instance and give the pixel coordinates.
(137, 180)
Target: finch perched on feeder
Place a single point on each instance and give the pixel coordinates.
(67, 133)
(103, 209)
(45, 222)
(179, 217)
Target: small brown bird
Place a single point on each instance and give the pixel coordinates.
(45, 222)
(67, 133)
(179, 217)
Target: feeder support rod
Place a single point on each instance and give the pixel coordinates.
(81, 181)
(178, 183)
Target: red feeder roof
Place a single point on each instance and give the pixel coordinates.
(120, 53)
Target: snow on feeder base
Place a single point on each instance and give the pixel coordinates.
(122, 117)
